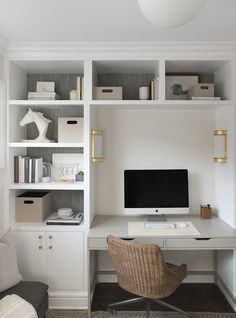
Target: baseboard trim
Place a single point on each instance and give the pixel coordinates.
(226, 292)
(68, 300)
(192, 277)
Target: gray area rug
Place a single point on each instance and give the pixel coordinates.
(131, 314)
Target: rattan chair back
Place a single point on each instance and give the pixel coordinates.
(142, 270)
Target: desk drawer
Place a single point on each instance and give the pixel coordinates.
(157, 241)
(97, 243)
(202, 243)
(101, 243)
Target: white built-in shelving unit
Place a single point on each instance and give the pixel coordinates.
(184, 126)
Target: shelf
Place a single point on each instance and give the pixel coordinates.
(153, 104)
(25, 226)
(45, 145)
(48, 186)
(46, 102)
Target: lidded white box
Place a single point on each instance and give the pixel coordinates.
(201, 90)
(45, 87)
(106, 93)
(71, 129)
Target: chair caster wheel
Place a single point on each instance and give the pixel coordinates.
(111, 311)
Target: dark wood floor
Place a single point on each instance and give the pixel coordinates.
(189, 297)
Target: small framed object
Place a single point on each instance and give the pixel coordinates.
(177, 86)
(96, 145)
(66, 166)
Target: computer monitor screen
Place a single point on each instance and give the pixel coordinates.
(156, 191)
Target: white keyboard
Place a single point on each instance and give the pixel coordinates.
(158, 225)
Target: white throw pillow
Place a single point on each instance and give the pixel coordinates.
(9, 273)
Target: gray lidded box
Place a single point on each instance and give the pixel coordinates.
(33, 206)
(106, 93)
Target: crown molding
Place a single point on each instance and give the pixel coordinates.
(40, 49)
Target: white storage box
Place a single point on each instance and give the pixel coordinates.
(113, 93)
(71, 129)
(45, 87)
(201, 90)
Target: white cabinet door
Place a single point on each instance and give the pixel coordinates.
(31, 254)
(65, 260)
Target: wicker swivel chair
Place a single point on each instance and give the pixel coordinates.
(141, 270)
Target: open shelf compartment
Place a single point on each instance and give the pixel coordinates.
(128, 74)
(208, 71)
(23, 76)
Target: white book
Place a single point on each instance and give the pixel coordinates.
(82, 88)
(38, 169)
(30, 170)
(157, 87)
(78, 87)
(21, 169)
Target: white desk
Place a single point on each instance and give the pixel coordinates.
(215, 235)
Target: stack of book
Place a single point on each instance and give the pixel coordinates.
(44, 91)
(155, 89)
(43, 96)
(27, 170)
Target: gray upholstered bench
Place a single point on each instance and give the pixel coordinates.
(35, 293)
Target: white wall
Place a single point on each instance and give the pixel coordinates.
(163, 138)
(1, 170)
(224, 177)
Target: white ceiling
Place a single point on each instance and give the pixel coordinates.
(108, 21)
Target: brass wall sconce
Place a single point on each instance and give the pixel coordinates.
(96, 145)
(220, 146)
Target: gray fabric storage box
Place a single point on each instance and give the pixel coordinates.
(33, 206)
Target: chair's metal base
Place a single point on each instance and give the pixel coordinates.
(149, 302)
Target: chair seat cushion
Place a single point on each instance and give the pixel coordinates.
(33, 292)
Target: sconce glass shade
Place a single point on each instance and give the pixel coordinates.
(96, 145)
(170, 13)
(220, 146)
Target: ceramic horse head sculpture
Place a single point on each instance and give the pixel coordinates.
(41, 123)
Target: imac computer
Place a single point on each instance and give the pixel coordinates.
(156, 192)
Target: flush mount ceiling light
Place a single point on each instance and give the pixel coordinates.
(170, 13)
